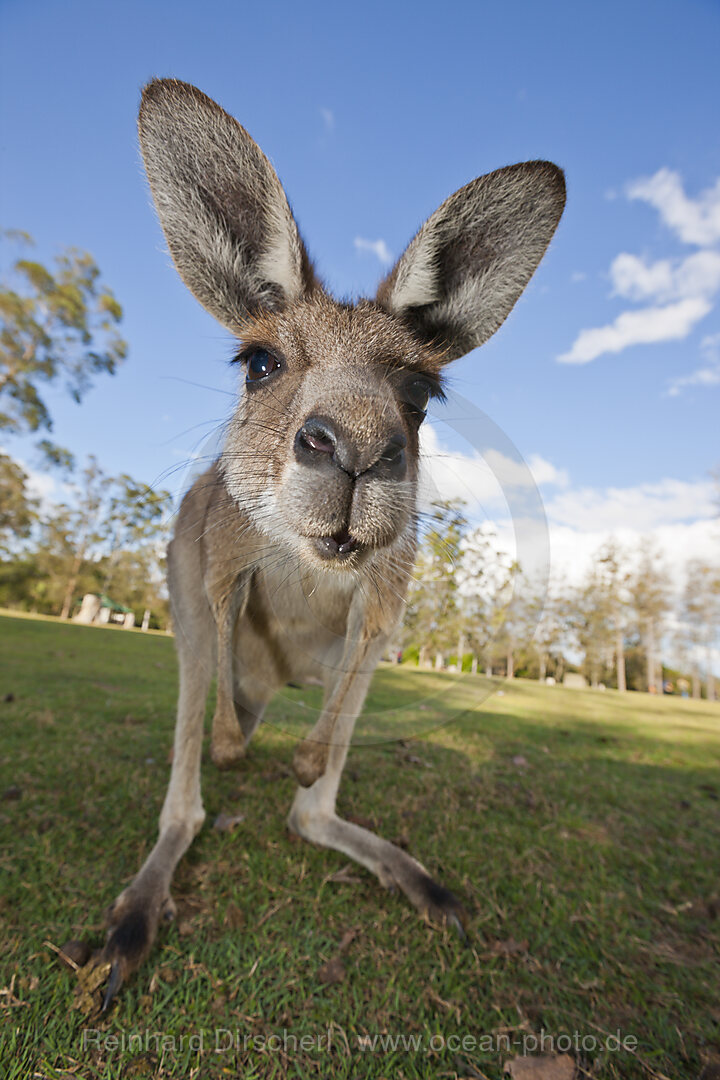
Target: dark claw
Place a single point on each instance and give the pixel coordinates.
(454, 921)
(169, 911)
(113, 985)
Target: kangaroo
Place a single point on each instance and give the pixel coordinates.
(291, 555)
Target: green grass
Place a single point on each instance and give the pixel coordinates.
(580, 829)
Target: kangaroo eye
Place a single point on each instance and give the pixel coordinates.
(260, 364)
(418, 394)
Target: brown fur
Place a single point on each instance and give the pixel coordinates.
(292, 553)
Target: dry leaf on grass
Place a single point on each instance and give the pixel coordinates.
(405, 755)
(227, 822)
(511, 947)
(88, 992)
(332, 972)
(235, 917)
(543, 1067)
(347, 938)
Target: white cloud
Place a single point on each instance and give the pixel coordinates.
(645, 327)
(544, 472)
(706, 375)
(680, 292)
(680, 515)
(642, 507)
(41, 486)
(633, 278)
(572, 550)
(377, 247)
(328, 118)
(696, 276)
(480, 480)
(694, 221)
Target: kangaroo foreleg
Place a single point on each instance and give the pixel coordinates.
(344, 699)
(227, 743)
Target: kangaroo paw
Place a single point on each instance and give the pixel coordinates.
(133, 921)
(310, 762)
(430, 898)
(226, 753)
(227, 742)
(444, 907)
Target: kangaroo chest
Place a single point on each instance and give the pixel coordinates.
(294, 625)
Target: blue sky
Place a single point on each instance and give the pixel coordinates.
(372, 115)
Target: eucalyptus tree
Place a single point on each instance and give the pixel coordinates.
(58, 325)
(701, 617)
(433, 617)
(18, 505)
(649, 594)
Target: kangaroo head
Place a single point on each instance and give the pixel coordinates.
(322, 452)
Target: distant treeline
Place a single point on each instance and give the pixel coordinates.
(630, 624)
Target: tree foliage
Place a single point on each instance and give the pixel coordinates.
(108, 536)
(18, 507)
(432, 617)
(701, 617)
(649, 592)
(468, 596)
(57, 325)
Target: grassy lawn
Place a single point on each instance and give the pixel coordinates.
(580, 829)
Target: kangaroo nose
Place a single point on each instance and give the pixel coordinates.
(319, 441)
(394, 452)
(316, 437)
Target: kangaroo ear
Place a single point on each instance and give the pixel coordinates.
(226, 219)
(462, 273)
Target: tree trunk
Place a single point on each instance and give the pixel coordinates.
(438, 661)
(460, 651)
(696, 685)
(710, 676)
(650, 658)
(488, 671)
(510, 665)
(620, 662)
(592, 671)
(543, 667)
(67, 600)
(74, 575)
